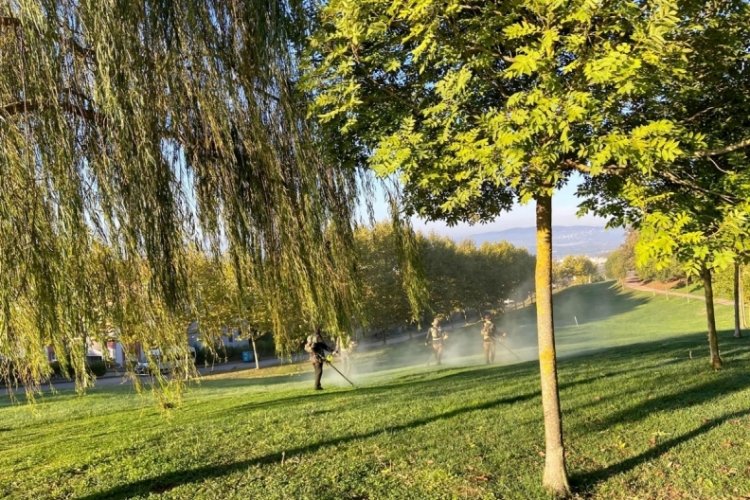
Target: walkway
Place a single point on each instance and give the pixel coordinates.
(637, 285)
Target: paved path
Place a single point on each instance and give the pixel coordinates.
(637, 285)
(114, 378)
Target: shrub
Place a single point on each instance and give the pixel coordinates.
(57, 369)
(219, 355)
(98, 368)
(205, 355)
(231, 353)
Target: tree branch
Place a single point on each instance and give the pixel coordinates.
(85, 52)
(724, 150)
(680, 181)
(31, 106)
(585, 169)
(699, 113)
(8, 21)
(81, 50)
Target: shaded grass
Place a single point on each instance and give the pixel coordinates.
(642, 419)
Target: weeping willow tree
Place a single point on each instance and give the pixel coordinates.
(131, 130)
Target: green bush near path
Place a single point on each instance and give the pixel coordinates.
(642, 420)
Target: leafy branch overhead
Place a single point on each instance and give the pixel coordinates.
(499, 117)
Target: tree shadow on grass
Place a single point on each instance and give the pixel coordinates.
(249, 381)
(723, 384)
(667, 352)
(470, 376)
(586, 481)
(168, 481)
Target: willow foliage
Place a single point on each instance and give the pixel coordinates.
(132, 129)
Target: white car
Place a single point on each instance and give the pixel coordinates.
(145, 368)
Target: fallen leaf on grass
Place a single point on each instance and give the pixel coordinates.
(727, 471)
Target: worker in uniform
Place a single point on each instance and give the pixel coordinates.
(317, 349)
(436, 338)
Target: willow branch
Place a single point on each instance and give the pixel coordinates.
(31, 106)
(85, 52)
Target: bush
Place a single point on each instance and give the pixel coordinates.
(232, 353)
(97, 368)
(219, 355)
(57, 369)
(205, 355)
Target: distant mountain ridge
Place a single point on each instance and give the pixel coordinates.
(592, 241)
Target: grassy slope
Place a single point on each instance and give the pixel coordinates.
(644, 420)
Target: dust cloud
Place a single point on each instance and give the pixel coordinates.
(463, 347)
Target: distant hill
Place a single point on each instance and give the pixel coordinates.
(592, 241)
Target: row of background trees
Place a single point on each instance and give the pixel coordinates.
(458, 277)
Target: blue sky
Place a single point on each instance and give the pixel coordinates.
(564, 208)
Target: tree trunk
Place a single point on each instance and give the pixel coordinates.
(737, 301)
(555, 473)
(255, 353)
(713, 341)
(743, 307)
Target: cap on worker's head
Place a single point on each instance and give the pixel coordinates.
(487, 316)
(436, 321)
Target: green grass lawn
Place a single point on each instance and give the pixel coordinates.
(643, 419)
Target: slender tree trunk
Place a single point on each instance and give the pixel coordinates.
(743, 308)
(255, 353)
(713, 341)
(737, 301)
(555, 473)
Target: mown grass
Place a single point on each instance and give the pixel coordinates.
(642, 420)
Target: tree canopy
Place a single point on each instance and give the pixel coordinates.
(132, 130)
(695, 209)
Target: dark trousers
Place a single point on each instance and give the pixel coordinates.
(318, 367)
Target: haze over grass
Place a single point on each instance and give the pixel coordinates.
(642, 419)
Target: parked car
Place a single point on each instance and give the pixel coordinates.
(146, 368)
